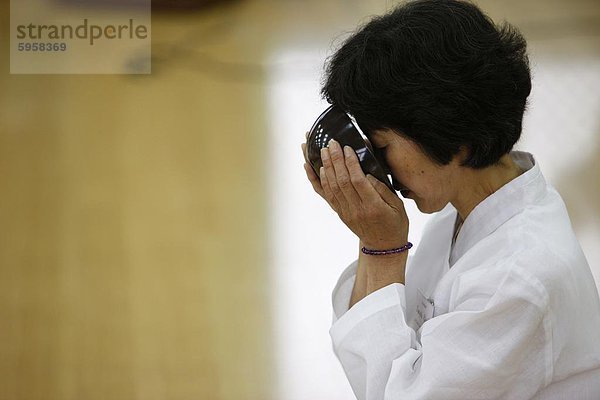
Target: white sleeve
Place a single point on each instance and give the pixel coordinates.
(493, 344)
(343, 291)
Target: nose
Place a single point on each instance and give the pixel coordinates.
(397, 185)
(381, 160)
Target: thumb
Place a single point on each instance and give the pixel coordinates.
(386, 194)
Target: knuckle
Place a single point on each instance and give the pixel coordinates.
(338, 208)
(342, 210)
(356, 179)
(333, 185)
(344, 182)
(335, 157)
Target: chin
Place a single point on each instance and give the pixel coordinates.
(428, 208)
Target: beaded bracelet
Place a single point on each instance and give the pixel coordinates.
(386, 252)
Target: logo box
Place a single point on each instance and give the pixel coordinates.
(93, 37)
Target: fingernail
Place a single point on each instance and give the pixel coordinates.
(325, 153)
(348, 151)
(322, 171)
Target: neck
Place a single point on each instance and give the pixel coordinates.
(477, 184)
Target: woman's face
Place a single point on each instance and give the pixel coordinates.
(418, 177)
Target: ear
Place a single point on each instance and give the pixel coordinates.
(463, 153)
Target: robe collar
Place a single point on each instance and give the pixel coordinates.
(500, 206)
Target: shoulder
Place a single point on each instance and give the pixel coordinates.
(502, 281)
(536, 250)
(541, 240)
(536, 238)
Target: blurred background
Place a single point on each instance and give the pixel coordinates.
(158, 237)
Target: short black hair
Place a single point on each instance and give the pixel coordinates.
(439, 72)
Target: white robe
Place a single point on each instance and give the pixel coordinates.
(516, 313)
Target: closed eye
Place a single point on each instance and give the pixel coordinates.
(381, 150)
(380, 155)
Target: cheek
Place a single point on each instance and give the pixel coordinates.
(404, 171)
(415, 179)
(419, 177)
(428, 195)
(428, 187)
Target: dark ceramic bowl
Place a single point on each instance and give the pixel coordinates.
(334, 123)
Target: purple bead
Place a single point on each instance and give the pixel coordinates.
(386, 252)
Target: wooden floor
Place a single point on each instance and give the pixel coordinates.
(134, 245)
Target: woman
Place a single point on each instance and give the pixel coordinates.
(498, 302)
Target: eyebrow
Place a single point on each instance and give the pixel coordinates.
(374, 137)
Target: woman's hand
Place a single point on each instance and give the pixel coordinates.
(366, 205)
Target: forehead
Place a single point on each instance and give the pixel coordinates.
(384, 137)
(383, 134)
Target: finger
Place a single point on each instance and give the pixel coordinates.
(341, 173)
(383, 191)
(311, 174)
(332, 179)
(363, 188)
(327, 190)
(303, 145)
(314, 180)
